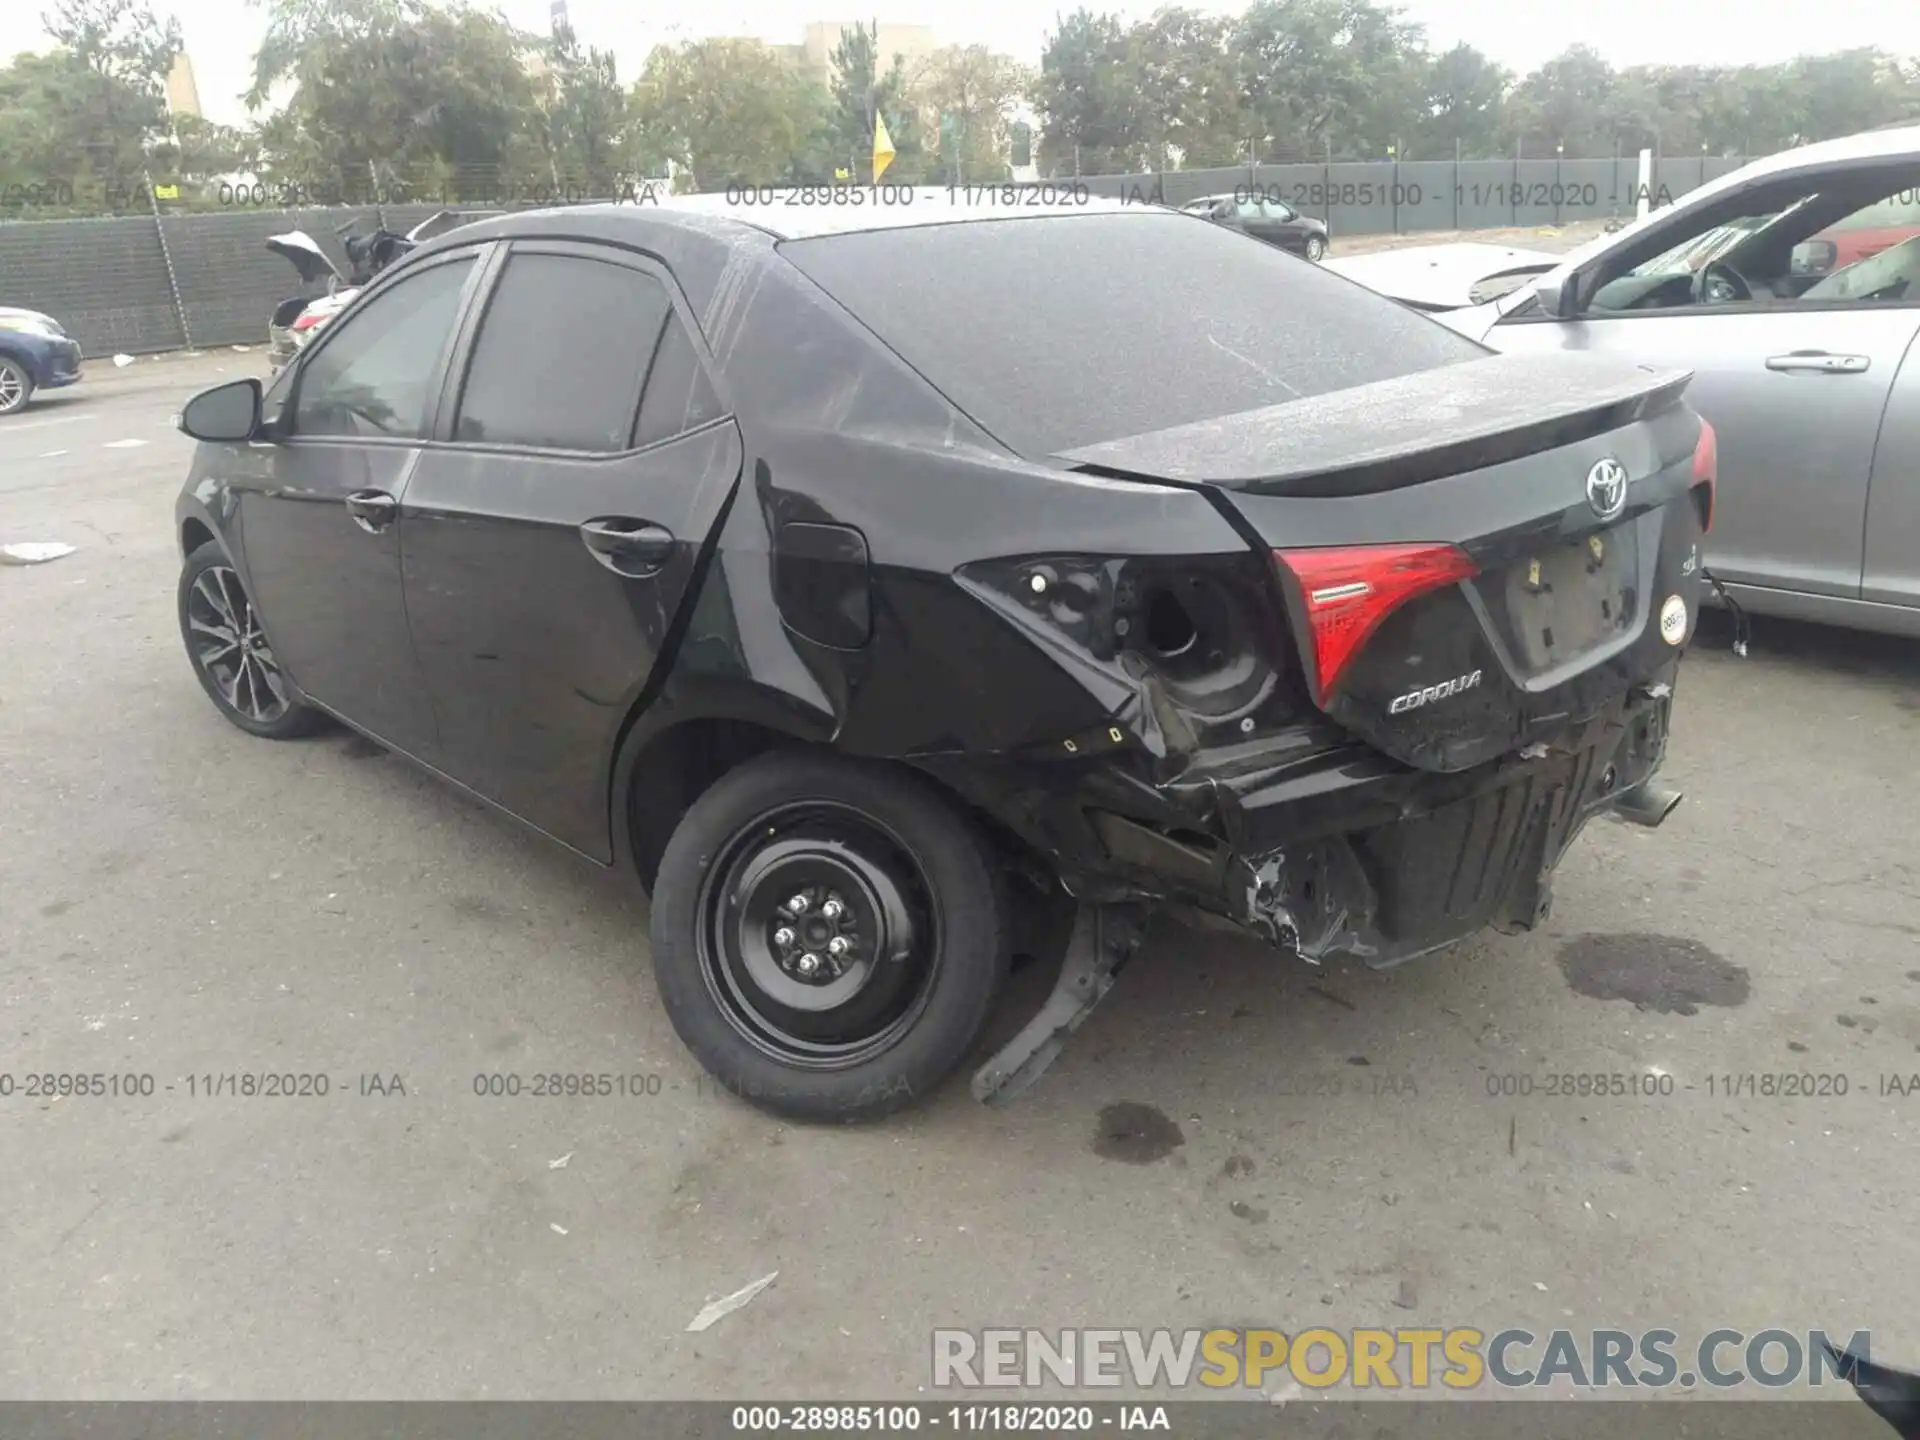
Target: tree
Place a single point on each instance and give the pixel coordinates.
(731, 111)
(438, 101)
(969, 94)
(1321, 76)
(1570, 102)
(1189, 86)
(584, 113)
(1088, 98)
(1465, 109)
(296, 29)
(82, 119)
(859, 90)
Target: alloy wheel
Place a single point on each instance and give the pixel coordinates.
(13, 389)
(230, 647)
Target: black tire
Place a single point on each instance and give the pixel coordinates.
(1316, 248)
(250, 691)
(16, 386)
(900, 1026)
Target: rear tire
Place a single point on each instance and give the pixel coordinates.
(829, 936)
(16, 387)
(230, 655)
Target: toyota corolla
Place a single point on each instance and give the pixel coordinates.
(850, 576)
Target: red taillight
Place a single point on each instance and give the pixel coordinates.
(1706, 473)
(306, 321)
(1350, 591)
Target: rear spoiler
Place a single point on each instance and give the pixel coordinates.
(1396, 432)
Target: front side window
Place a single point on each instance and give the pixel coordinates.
(376, 376)
(1800, 241)
(562, 354)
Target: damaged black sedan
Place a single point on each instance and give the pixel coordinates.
(849, 575)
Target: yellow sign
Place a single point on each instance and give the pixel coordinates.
(166, 192)
(882, 147)
(842, 173)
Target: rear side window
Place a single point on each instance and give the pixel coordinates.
(679, 396)
(1058, 332)
(561, 354)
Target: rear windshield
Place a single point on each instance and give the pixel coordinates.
(1053, 333)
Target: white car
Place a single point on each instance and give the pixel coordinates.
(297, 319)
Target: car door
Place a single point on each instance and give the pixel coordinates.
(1250, 217)
(318, 502)
(1795, 392)
(550, 538)
(1891, 563)
(1283, 227)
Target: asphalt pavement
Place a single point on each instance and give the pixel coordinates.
(1232, 1140)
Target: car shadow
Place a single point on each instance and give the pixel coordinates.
(1821, 648)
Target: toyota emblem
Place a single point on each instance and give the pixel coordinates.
(1607, 488)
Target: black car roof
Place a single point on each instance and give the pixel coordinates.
(702, 239)
(792, 214)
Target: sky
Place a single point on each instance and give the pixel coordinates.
(221, 34)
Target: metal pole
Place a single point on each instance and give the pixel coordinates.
(1513, 190)
(1455, 182)
(1396, 185)
(166, 259)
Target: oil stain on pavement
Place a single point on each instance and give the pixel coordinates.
(1135, 1134)
(1654, 972)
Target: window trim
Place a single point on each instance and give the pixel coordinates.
(460, 363)
(484, 254)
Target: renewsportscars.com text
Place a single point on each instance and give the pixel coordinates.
(1458, 1358)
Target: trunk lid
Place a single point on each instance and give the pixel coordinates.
(303, 252)
(1473, 558)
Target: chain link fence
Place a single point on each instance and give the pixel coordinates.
(197, 272)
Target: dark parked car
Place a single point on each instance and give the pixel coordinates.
(850, 610)
(1265, 218)
(35, 354)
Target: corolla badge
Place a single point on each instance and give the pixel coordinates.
(1607, 488)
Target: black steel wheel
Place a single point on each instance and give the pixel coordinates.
(827, 935)
(230, 652)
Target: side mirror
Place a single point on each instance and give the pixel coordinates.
(1554, 296)
(228, 413)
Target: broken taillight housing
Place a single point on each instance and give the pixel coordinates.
(1706, 473)
(1349, 591)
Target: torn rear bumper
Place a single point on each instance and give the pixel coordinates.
(1331, 848)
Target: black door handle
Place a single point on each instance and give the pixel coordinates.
(628, 547)
(372, 510)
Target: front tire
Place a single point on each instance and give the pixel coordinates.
(828, 935)
(1316, 248)
(230, 654)
(16, 386)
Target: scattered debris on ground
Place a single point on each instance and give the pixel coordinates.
(718, 1310)
(34, 552)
